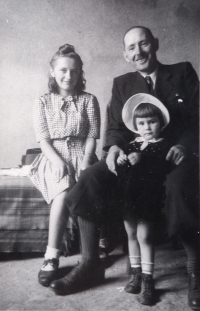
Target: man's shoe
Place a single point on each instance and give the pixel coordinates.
(194, 291)
(147, 296)
(46, 277)
(134, 285)
(82, 276)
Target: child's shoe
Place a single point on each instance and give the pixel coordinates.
(134, 285)
(45, 277)
(147, 296)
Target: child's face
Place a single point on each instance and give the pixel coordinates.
(149, 127)
(66, 73)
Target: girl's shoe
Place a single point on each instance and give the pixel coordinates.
(134, 285)
(147, 296)
(46, 277)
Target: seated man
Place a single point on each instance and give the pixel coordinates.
(177, 87)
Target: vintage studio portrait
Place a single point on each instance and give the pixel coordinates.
(99, 161)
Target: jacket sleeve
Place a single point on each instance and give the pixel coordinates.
(190, 135)
(116, 132)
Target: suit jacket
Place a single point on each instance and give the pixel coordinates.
(177, 87)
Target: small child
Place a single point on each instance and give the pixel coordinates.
(141, 172)
(67, 124)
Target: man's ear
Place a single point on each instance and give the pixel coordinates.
(156, 44)
(126, 57)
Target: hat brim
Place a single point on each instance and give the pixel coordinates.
(134, 101)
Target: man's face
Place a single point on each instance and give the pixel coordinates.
(140, 50)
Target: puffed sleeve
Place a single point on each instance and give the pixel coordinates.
(40, 121)
(93, 112)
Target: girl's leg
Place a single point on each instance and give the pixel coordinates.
(58, 217)
(134, 285)
(145, 238)
(59, 214)
(130, 223)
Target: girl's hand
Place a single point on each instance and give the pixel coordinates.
(59, 170)
(122, 159)
(134, 158)
(87, 161)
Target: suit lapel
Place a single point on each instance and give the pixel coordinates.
(164, 84)
(136, 85)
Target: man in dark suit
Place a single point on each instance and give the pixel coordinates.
(177, 86)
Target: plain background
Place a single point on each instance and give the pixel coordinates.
(32, 31)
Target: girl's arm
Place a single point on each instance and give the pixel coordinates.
(59, 168)
(90, 149)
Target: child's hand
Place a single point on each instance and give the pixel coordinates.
(134, 158)
(122, 159)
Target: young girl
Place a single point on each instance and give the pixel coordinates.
(142, 170)
(67, 124)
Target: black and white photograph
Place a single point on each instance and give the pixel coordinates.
(99, 161)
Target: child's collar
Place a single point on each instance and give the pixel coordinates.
(141, 139)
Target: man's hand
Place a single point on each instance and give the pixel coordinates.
(134, 158)
(176, 154)
(113, 154)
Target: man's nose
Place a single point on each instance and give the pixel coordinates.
(137, 49)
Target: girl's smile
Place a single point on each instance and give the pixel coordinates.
(66, 73)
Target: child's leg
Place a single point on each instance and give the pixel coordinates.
(145, 238)
(134, 285)
(58, 218)
(57, 222)
(130, 223)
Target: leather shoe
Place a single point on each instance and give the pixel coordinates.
(134, 285)
(147, 296)
(46, 277)
(194, 291)
(81, 276)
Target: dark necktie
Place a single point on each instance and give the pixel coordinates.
(149, 84)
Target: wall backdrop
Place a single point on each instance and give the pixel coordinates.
(32, 31)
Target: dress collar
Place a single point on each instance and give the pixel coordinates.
(141, 139)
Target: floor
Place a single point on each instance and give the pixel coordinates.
(19, 289)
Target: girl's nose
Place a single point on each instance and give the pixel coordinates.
(147, 126)
(68, 74)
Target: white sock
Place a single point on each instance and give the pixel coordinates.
(135, 261)
(103, 243)
(50, 254)
(147, 267)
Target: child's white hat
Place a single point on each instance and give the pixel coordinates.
(134, 101)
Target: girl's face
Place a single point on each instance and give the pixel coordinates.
(149, 128)
(66, 73)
